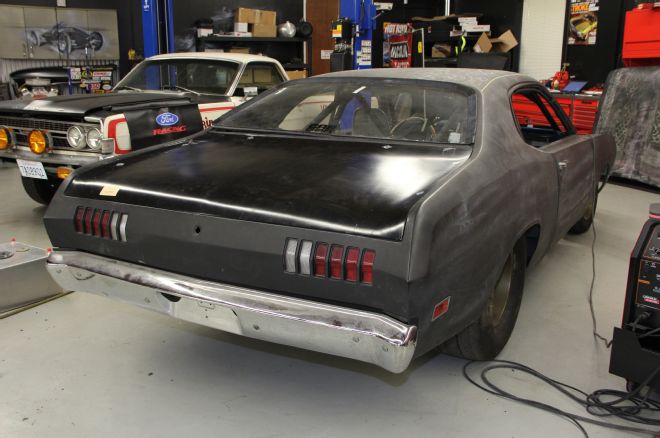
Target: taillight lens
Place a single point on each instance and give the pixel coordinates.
(367, 267)
(321, 260)
(96, 222)
(352, 257)
(78, 221)
(105, 225)
(336, 257)
(88, 220)
(290, 255)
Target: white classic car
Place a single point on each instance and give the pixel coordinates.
(164, 99)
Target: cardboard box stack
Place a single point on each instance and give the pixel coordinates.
(256, 22)
(501, 44)
(471, 24)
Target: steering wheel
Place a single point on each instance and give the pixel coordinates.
(413, 128)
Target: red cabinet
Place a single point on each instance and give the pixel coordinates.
(581, 109)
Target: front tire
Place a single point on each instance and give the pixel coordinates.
(41, 190)
(485, 338)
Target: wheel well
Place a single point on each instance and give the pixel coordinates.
(532, 237)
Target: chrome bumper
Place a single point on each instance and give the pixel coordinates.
(341, 331)
(59, 158)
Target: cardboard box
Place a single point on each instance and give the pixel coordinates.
(240, 27)
(504, 42)
(441, 50)
(467, 27)
(265, 17)
(501, 44)
(202, 32)
(264, 30)
(296, 74)
(244, 15)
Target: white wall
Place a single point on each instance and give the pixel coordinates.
(542, 37)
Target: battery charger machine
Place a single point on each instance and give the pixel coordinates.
(636, 345)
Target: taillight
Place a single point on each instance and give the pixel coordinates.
(352, 256)
(101, 223)
(88, 220)
(325, 260)
(105, 224)
(321, 260)
(367, 267)
(336, 256)
(290, 255)
(78, 221)
(96, 223)
(305, 258)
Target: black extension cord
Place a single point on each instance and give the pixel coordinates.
(633, 406)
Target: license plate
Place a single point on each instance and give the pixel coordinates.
(31, 169)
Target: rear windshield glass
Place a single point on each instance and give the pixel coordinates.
(411, 110)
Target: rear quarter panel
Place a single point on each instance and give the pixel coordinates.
(465, 229)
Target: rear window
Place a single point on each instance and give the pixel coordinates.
(420, 111)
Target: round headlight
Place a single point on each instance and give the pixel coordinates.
(38, 142)
(76, 137)
(5, 138)
(94, 138)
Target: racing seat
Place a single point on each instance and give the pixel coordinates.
(371, 123)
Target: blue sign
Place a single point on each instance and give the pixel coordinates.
(167, 119)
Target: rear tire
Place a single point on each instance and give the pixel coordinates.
(41, 190)
(485, 338)
(583, 225)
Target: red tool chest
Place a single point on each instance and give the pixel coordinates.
(580, 109)
(641, 36)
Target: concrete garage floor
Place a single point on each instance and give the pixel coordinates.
(83, 366)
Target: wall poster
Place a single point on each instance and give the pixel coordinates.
(397, 45)
(583, 22)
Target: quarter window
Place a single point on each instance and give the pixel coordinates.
(538, 121)
(258, 76)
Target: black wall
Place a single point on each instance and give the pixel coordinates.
(593, 63)
(129, 17)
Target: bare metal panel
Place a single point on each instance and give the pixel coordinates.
(23, 276)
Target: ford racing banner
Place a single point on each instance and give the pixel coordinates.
(153, 126)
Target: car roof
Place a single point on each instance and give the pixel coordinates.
(474, 78)
(221, 56)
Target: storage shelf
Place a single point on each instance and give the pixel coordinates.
(234, 39)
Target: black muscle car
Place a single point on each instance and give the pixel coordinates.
(374, 215)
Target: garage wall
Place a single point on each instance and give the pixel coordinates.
(542, 38)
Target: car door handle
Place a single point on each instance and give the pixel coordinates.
(562, 165)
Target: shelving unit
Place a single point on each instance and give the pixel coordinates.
(277, 47)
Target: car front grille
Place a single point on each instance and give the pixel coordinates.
(22, 126)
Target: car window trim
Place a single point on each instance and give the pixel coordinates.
(570, 129)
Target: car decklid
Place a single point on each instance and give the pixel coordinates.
(352, 186)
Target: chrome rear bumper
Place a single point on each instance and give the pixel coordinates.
(341, 331)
